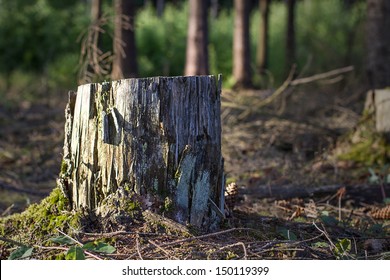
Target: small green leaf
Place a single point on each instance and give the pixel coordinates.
(286, 233)
(325, 213)
(28, 253)
(63, 240)
(21, 252)
(329, 220)
(374, 178)
(75, 253)
(99, 247)
(343, 247)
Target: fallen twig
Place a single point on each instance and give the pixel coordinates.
(138, 247)
(162, 250)
(233, 245)
(321, 76)
(270, 98)
(290, 82)
(206, 236)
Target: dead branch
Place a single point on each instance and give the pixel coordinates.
(94, 63)
(290, 82)
(138, 247)
(271, 98)
(233, 245)
(169, 255)
(321, 76)
(206, 236)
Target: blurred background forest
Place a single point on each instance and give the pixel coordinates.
(41, 40)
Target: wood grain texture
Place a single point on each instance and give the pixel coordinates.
(158, 137)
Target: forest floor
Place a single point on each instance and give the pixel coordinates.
(296, 199)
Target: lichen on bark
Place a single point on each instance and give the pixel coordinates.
(160, 137)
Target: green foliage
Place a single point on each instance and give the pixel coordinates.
(41, 37)
(75, 253)
(22, 252)
(371, 150)
(286, 233)
(342, 249)
(99, 247)
(37, 34)
(161, 42)
(330, 33)
(41, 219)
(63, 240)
(221, 44)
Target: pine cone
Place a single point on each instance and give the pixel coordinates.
(381, 213)
(231, 194)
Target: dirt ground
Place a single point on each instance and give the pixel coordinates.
(280, 155)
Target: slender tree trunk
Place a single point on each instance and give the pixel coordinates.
(157, 138)
(214, 7)
(197, 58)
(96, 10)
(241, 48)
(160, 7)
(125, 57)
(378, 43)
(96, 14)
(290, 35)
(262, 45)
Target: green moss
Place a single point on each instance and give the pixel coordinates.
(364, 145)
(168, 205)
(39, 221)
(371, 150)
(64, 167)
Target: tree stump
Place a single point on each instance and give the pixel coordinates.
(378, 102)
(382, 105)
(158, 137)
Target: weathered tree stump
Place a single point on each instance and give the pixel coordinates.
(157, 137)
(382, 105)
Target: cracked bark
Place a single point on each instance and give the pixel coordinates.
(157, 137)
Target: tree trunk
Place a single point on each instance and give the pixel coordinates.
(197, 58)
(96, 10)
(125, 58)
(241, 50)
(290, 35)
(160, 7)
(378, 43)
(159, 138)
(96, 14)
(214, 7)
(262, 45)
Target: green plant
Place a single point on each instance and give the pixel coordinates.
(77, 250)
(342, 249)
